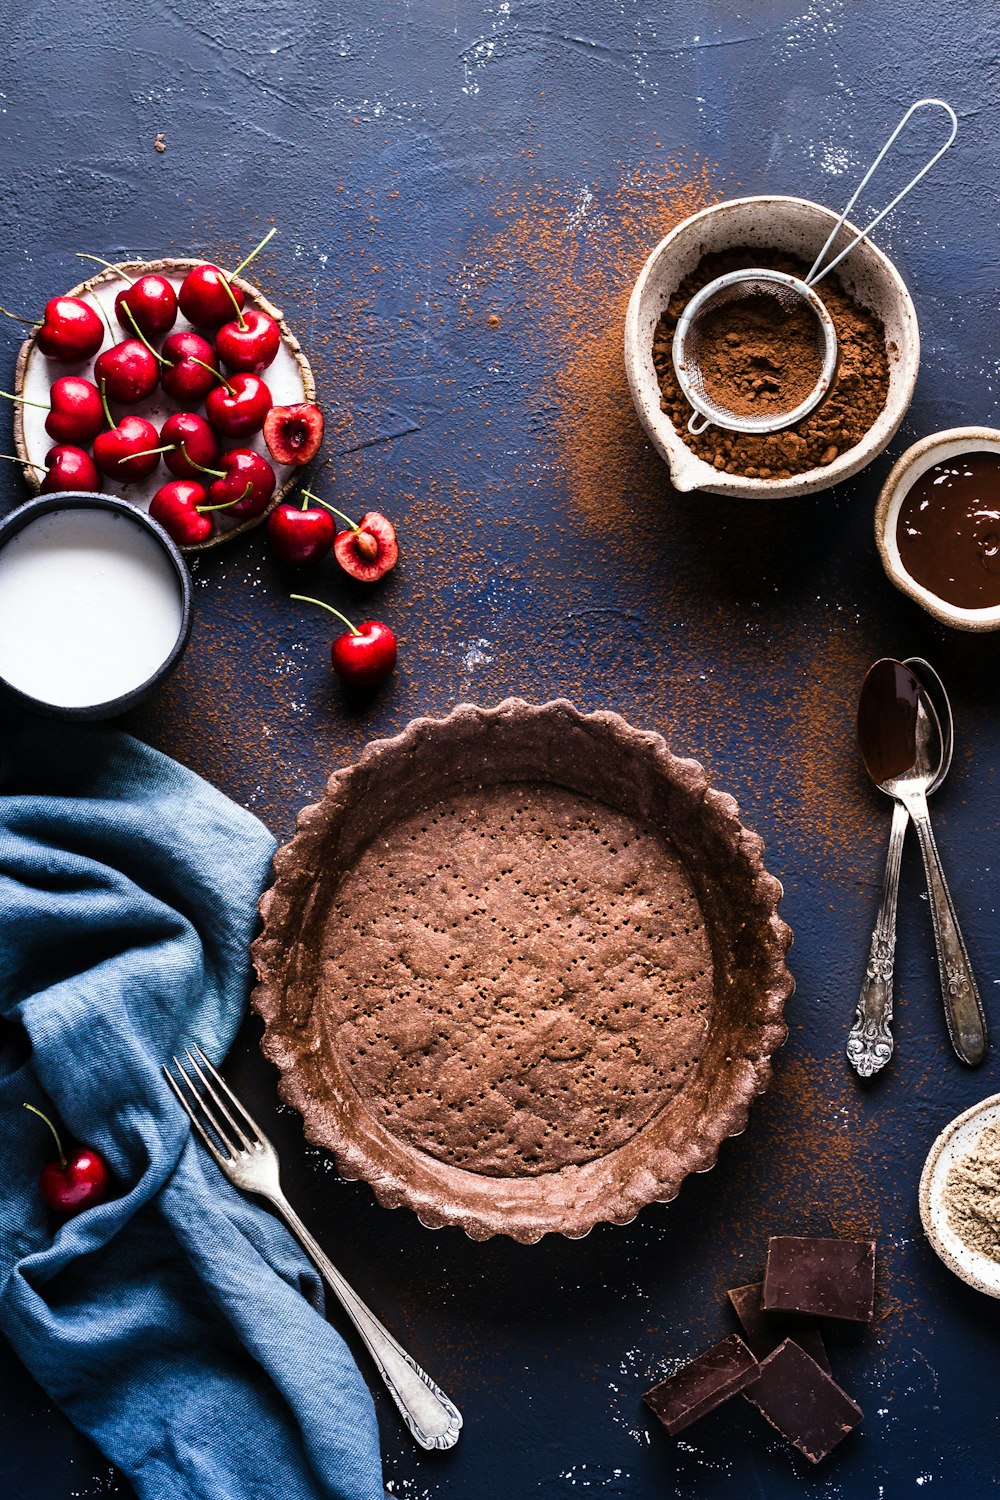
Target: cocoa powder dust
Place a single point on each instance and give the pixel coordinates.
(752, 362)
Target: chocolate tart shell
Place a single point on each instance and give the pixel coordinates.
(522, 970)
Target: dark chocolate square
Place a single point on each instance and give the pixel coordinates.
(764, 1331)
(702, 1384)
(802, 1402)
(825, 1278)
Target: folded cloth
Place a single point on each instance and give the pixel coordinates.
(177, 1324)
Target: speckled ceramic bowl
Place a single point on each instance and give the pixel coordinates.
(954, 1142)
(935, 449)
(798, 227)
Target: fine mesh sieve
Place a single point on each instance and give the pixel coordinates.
(754, 404)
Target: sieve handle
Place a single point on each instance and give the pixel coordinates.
(815, 274)
(698, 423)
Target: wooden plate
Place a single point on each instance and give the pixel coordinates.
(289, 379)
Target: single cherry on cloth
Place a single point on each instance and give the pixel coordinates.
(367, 550)
(194, 445)
(187, 375)
(238, 406)
(365, 655)
(208, 297)
(129, 371)
(299, 536)
(74, 1182)
(250, 345)
(71, 330)
(293, 433)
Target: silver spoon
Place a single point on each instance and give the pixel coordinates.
(902, 747)
(870, 1041)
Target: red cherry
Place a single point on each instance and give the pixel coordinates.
(298, 536)
(74, 1182)
(76, 414)
(369, 550)
(238, 408)
(241, 467)
(250, 348)
(185, 376)
(207, 295)
(293, 433)
(197, 447)
(176, 505)
(152, 302)
(365, 654)
(128, 372)
(69, 468)
(71, 330)
(115, 452)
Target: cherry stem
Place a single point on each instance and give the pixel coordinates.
(25, 462)
(212, 371)
(327, 506)
(82, 255)
(32, 322)
(107, 410)
(254, 253)
(59, 1148)
(25, 402)
(304, 599)
(148, 452)
(216, 473)
(225, 504)
(104, 317)
(240, 320)
(142, 337)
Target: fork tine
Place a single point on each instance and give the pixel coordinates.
(196, 1123)
(255, 1131)
(218, 1094)
(205, 1107)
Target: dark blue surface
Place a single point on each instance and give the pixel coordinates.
(402, 159)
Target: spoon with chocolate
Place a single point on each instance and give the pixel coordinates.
(870, 1042)
(905, 753)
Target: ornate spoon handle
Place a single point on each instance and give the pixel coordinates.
(433, 1420)
(962, 1006)
(869, 1043)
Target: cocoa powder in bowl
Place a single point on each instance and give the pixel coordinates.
(855, 399)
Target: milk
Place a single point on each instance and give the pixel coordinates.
(90, 607)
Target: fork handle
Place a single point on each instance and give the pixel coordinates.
(432, 1419)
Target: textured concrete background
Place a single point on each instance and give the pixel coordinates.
(464, 193)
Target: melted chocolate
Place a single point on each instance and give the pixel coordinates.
(948, 530)
(887, 720)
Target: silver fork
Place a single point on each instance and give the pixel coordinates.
(246, 1156)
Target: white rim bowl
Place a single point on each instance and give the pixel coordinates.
(954, 1142)
(937, 448)
(798, 227)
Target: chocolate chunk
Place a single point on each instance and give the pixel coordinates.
(802, 1402)
(826, 1278)
(703, 1384)
(764, 1331)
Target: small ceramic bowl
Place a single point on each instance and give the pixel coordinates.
(800, 228)
(95, 610)
(935, 449)
(954, 1142)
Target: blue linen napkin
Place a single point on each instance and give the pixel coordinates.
(178, 1324)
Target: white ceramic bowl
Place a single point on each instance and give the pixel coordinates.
(797, 227)
(935, 449)
(954, 1142)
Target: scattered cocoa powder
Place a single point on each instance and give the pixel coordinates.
(856, 397)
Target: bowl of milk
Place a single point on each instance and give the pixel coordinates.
(95, 605)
